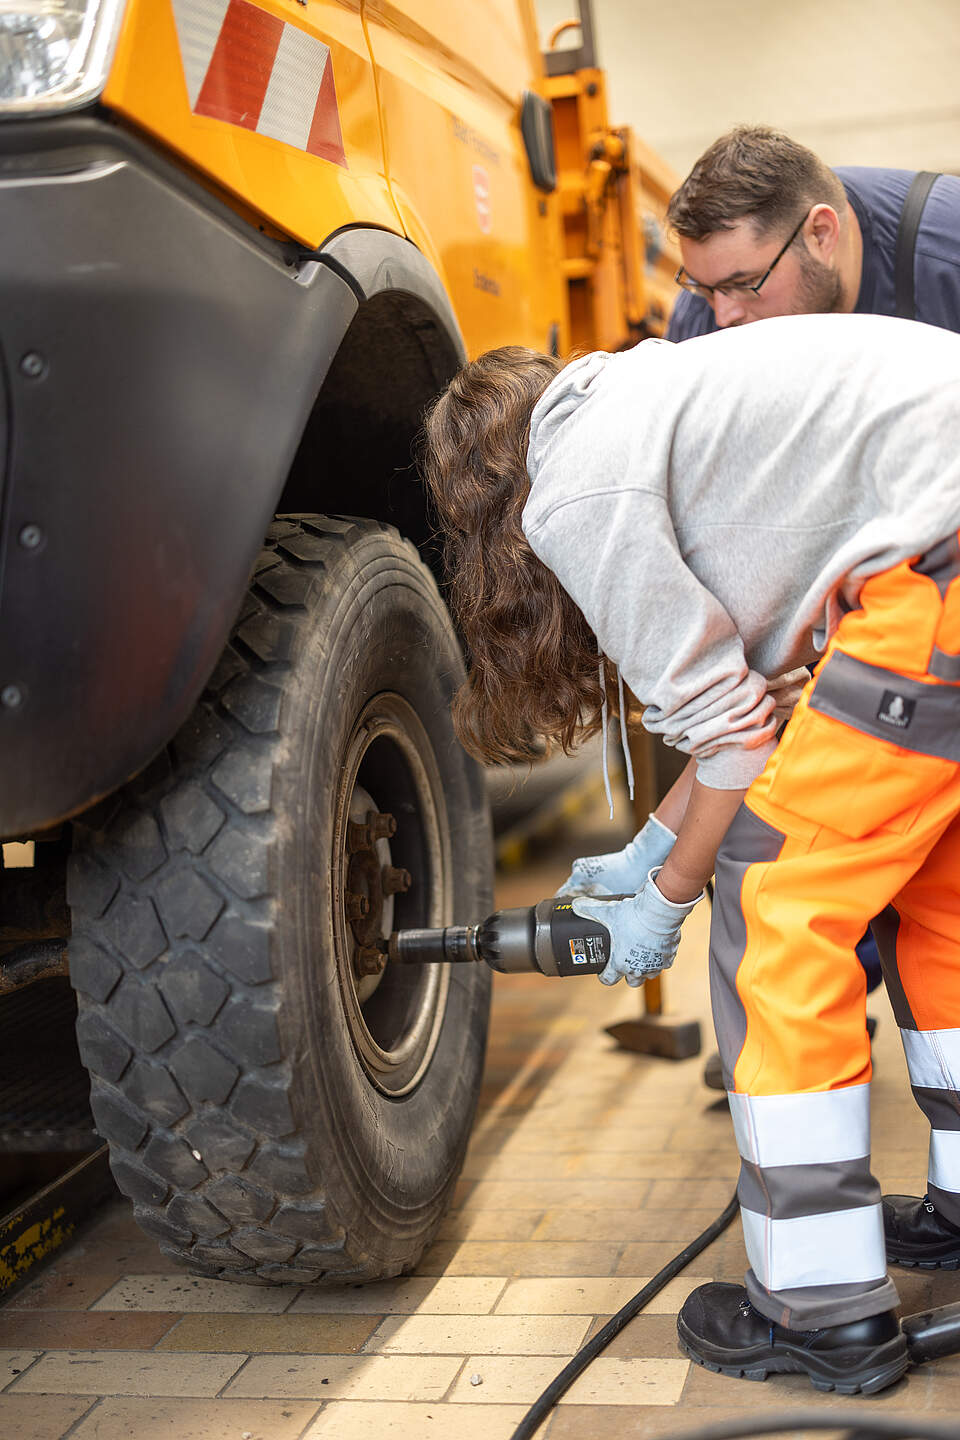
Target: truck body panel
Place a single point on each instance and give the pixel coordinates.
(143, 404)
(450, 94)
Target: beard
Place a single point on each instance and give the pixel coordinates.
(820, 291)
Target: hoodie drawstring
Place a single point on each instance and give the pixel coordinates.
(604, 711)
(604, 718)
(623, 733)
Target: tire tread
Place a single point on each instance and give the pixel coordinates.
(187, 857)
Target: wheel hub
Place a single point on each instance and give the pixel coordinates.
(393, 870)
(369, 883)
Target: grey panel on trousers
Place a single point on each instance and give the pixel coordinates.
(944, 665)
(886, 927)
(941, 562)
(785, 1192)
(941, 1107)
(748, 841)
(812, 1306)
(855, 693)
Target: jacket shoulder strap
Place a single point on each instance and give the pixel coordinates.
(910, 215)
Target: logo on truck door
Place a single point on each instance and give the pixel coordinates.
(248, 68)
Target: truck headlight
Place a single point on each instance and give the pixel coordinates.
(54, 54)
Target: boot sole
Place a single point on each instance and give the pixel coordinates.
(876, 1375)
(953, 1263)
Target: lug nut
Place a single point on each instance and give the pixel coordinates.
(355, 905)
(381, 826)
(395, 882)
(367, 960)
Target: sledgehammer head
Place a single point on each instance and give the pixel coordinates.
(658, 1035)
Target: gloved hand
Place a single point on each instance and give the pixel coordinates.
(622, 872)
(644, 931)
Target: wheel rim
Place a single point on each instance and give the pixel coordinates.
(394, 1017)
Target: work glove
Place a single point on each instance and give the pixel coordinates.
(644, 931)
(622, 872)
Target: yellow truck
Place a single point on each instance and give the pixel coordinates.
(242, 244)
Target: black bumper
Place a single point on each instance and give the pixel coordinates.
(158, 364)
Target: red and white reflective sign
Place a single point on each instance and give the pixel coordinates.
(248, 68)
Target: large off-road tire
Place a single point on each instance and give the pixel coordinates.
(273, 1112)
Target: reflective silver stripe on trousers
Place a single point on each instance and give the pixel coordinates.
(933, 1058)
(840, 1247)
(943, 1168)
(810, 1129)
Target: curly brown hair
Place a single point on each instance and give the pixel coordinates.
(533, 658)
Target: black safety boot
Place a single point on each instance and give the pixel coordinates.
(918, 1235)
(719, 1329)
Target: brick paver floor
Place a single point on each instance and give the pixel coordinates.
(589, 1167)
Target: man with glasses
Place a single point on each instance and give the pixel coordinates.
(765, 228)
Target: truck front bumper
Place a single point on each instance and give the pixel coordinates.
(158, 361)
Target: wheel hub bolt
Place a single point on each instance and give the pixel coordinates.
(364, 837)
(395, 882)
(368, 960)
(355, 905)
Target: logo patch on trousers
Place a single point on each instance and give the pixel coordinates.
(896, 710)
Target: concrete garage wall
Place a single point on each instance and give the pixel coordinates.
(862, 82)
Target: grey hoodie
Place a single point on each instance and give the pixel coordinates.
(714, 507)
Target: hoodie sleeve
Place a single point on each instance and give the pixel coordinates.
(615, 553)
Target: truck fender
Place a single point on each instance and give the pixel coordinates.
(372, 261)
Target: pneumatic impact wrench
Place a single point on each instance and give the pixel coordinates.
(549, 937)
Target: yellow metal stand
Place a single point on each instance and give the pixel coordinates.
(618, 260)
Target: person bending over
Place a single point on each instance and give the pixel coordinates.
(708, 517)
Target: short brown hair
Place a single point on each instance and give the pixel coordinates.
(752, 172)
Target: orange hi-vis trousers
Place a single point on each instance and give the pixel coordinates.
(856, 811)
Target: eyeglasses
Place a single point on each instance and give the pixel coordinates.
(740, 287)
